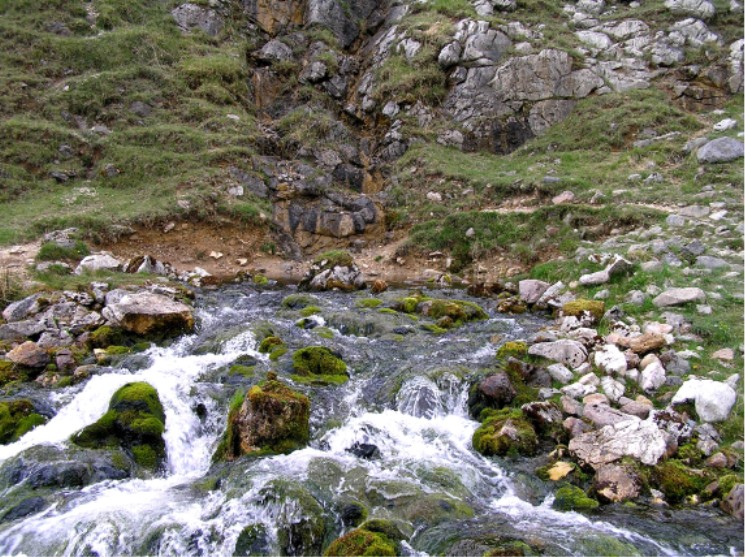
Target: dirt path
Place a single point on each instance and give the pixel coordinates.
(15, 260)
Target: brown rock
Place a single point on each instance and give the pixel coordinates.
(616, 483)
(64, 360)
(497, 389)
(733, 502)
(273, 417)
(29, 354)
(638, 409)
(378, 286)
(717, 460)
(642, 343)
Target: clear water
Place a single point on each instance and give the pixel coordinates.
(407, 396)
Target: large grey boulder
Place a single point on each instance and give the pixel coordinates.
(679, 296)
(23, 309)
(633, 437)
(147, 313)
(98, 262)
(190, 17)
(568, 352)
(722, 149)
(531, 290)
(274, 51)
(702, 9)
(713, 400)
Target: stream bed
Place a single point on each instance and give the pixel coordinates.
(392, 443)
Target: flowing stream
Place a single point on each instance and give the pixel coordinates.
(405, 401)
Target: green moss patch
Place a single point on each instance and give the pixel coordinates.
(577, 308)
(17, 418)
(318, 361)
(362, 542)
(505, 432)
(677, 481)
(515, 349)
(572, 498)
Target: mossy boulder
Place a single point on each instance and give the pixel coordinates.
(271, 419)
(11, 373)
(407, 304)
(362, 542)
(677, 481)
(17, 417)
(573, 498)
(505, 433)
(135, 422)
(254, 539)
(578, 308)
(317, 361)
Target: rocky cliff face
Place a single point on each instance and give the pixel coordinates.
(343, 89)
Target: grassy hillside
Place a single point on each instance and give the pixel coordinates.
(128, 113)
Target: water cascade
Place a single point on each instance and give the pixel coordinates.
(405, 402)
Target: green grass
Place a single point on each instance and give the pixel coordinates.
(54, 88)
(522, 235)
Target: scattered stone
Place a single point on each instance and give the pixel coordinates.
(611, 360)
(568, 352)
(724, 354)
(632, 437)
(679, 296)
(563, 197)
(98, 262)
(532, 290)
(560, 373)
(713, 400)
(29, 354)
(708, 262)
(652, 376)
